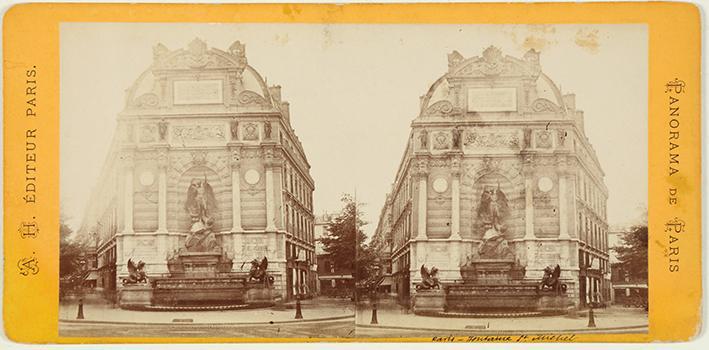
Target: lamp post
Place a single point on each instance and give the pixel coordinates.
(298, 312)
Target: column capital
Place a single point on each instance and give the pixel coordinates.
(527, 163)
(163, 158)
(420, 166)
(455, 165)
(272, 156)
(127, 159)
(235, 157)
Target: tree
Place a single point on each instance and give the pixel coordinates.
(71, 274)
(632, 253)
(69, 250)
(345, 240)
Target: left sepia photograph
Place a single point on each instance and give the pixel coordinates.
(187, 197)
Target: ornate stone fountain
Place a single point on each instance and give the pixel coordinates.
(493, 282)
(201, 276)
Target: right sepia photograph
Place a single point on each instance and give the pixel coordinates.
(518, 200)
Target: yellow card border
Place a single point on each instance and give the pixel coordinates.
(31, 39)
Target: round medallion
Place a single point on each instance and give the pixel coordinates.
(440, 185)
(147, 178)
(252, 177)
(545, 184)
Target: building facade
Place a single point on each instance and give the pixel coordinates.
(381, 244)
(499, 150)
(202, 119)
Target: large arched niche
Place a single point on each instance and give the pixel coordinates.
(179, 218)
(513, 193)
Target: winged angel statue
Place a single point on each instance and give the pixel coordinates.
(493, 207)
(200, 204)
(492, 211)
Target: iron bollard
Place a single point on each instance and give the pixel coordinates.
(298, 312)
(80, 314)
(591, 319)
(374, 314)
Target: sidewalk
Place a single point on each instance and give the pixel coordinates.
(394, 317)
(312, 310)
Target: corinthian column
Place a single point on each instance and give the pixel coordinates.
(270, 208)
(162, 191)
(528, 200)
(455, 200)
(128, 194)
(563, 215)
(235, 192)
(563, 201)
(423, 199)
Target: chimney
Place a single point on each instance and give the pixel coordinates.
(570, 101)
(285, 110)
(275, 92)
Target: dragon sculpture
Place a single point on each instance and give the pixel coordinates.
(429, 279)
(258, 272)
(135, 273)
(551, 282)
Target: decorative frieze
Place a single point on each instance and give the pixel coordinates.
(478, 138)
(198, 133)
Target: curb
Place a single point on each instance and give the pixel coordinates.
(485, 331)
(212, 324)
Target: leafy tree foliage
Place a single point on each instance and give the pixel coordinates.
(632, 254)
(69, 250)
(345, 240)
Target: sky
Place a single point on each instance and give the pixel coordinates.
(354, 90)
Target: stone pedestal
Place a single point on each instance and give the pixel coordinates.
(491, 271)
(199, 264)
(552, 304)
(199, 291)
(432, 301)
(258, 295)
(136, 296)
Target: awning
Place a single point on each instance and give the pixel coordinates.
(92, 276)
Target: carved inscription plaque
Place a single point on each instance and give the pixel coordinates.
(492, 100)
(197, 92)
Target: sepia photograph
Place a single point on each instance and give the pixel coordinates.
(352, 180)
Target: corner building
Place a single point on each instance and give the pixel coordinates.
(498, 124)
(204, 114)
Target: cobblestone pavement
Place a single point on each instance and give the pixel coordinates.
(304, 329)
(314, 309)
(394, 321)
